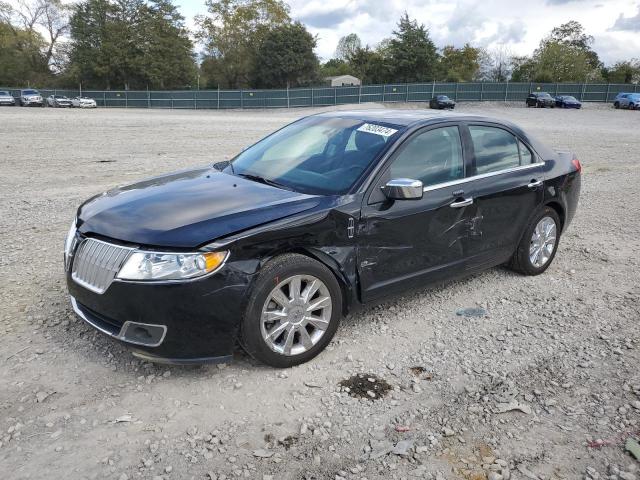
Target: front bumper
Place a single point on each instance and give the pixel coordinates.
(7, 102)
(179, 323)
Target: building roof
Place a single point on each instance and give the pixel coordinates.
(341, 76)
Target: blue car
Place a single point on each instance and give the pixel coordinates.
(567, 101)
(630, 101)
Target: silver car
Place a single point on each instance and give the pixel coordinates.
(6, 98)
(630, 101)
(31, 98)
(58, 101)
(83, 102)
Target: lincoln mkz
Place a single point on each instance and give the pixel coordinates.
(332, 212)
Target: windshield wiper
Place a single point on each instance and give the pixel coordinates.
(266, 181)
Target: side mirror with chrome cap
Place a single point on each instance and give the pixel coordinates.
(403, 189)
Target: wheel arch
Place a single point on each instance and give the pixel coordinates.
(559, 209)
(347, 288)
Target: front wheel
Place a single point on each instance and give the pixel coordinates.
(292, 313)
(538, 245)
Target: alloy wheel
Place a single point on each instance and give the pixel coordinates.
(543, 242)
(296, 315)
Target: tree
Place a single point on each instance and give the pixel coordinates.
(347, 47)
(21, 58)
(335, 67)
(623, 72)
(230, 32)
(371, 66)
(413, 54)
(496, 64)
(563, 56)
(285, 57)
(459, 64)
(572, 34)
(130, 44)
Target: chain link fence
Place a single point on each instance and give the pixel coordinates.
(330, 96)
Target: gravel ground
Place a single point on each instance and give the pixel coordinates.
(546, 385)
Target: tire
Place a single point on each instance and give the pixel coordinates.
(616, 105)
(273, 278)
(521, 260)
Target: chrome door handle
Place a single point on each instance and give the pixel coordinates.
(535, 183)
(462, 203)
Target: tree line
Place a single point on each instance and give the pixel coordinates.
(138, 44)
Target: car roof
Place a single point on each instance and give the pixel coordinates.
(401, 118)
(408, 118)
(420, 117)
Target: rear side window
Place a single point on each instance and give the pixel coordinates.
(495, 149)
(526, 157)
(433, 156)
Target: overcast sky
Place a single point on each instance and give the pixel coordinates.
(615, 24)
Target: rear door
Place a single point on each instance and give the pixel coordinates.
(508, 186)
(403, 243)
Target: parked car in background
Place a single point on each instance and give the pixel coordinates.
(616, 101)
(83, 102)
(540, 100)
(442, 102)
(58, 101)
(31, 98)
(567, 101)
(630, 101)
(6, 98)
(319, 219)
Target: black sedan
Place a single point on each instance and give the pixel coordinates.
(442, 102)
(540, 100)
(330, 213)
(567, 101)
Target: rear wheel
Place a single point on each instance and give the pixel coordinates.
(292, 313)
(539, 244)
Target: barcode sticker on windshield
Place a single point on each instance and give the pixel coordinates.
(377, 130)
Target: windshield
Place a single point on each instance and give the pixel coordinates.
(4, 93)
(30, 92)
(443, 97)
(315, 155)
(544, 95)
(570, 98)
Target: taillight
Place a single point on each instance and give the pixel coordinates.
(576, 163)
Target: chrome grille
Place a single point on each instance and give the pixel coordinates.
(96, 263)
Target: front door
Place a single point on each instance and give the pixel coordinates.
(403, 243)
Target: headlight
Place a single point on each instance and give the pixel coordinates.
(170, 266)
(69, 244)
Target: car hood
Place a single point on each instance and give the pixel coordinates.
(187, 209)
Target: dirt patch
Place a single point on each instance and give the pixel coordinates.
(367, 386)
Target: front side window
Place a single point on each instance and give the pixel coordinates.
(434, 156)
(316, 155)
(495, 149)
